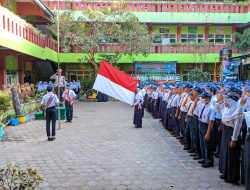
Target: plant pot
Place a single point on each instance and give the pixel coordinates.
(1, 132)
(22, 119)
(27, 118)
(14, 121)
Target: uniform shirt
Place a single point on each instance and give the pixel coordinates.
(143, 91)
(173, 101)
(68, 95)
(208, 113)
(61, 79)
(155, 95)
(138, 98)
(218, 110)
(190, 106)
(214, 102)
(183, 98)
(46, 98)
(198, 107)
(166, 96)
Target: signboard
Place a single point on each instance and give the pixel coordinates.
(164, 68)
(230, 68)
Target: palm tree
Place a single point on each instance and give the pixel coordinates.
(243, 45)
(242, 41)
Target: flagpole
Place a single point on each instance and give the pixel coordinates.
(58, 64)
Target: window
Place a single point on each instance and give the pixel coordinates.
(219, 38)
(164, 39)
(186, 38)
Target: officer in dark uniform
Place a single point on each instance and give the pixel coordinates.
(49, 103)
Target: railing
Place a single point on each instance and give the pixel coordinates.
(165, 49)
(13, 26)
(153, 6)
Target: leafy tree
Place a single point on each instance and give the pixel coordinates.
(121, 30)
(199, 75)
(242, 41)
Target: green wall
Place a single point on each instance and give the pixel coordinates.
(220, 30)
(11, 63)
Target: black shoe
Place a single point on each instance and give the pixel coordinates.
(138, 126)
(179, 137)
(197, 158)
(207, 165)
(49, 139)
(232, 182)
(70, 121)
(201, 161)
(222, 177)
(193, 154)
(183, 142)
(191, 151)
(53, 138)
(186, 148)
(66, 121)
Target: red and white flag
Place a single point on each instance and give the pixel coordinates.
(115, 83)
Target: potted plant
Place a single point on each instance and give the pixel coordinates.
(13, 177)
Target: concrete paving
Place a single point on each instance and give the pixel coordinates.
(102, 150)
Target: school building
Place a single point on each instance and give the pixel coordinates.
(29, 54)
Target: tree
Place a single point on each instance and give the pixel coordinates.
(92, 30)
(242, 41)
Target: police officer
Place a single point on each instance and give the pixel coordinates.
(49, 103)
(206, 122)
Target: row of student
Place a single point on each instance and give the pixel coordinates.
(207, 120)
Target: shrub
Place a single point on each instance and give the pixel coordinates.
(5, 101)
(13, 177)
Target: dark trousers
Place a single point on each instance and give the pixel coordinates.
(51, 116)
(247, 161)
(172, 119)
(188, 131)
(69, 111)
(217, 135)
(195, 140)
(206, 146)
(183, 123)
(229, 164)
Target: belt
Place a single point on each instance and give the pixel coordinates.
(216, 119)
(53, 107)
(203, 124)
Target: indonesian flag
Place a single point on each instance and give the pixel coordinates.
(115, 83)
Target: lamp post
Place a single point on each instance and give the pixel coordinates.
(58, 63)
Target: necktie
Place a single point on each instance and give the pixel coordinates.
(202, 111)
(172, 100)
(189, 106)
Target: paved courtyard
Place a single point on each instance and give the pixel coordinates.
(102, 150)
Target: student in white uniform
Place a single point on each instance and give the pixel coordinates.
(49, 103)
(206, 116)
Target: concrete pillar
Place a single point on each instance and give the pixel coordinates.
(3, 79)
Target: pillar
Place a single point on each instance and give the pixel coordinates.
(206, 33)
(3, 79)
(20, 69)
(178, 33)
